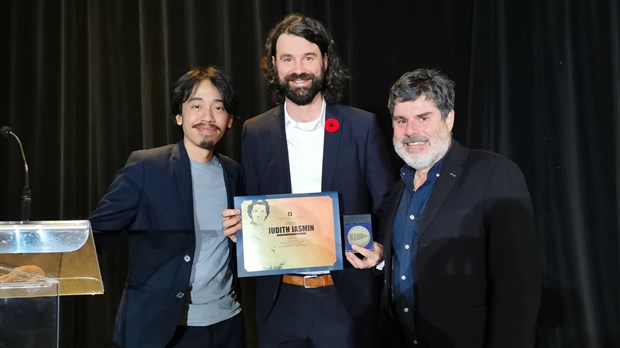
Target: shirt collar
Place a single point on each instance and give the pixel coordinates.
(305, 126)
(407, 174)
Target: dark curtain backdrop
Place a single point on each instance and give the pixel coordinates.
(83, 83)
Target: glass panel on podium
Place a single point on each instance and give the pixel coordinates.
(40, 261)
(28, 309)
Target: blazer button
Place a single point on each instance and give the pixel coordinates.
(187, 258)
(180, 295)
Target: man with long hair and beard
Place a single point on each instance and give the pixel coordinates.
(307, 144)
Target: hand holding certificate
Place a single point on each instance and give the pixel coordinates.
(289, 233)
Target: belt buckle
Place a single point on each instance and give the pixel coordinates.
(310, 277)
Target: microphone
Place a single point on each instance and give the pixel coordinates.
(26, 200)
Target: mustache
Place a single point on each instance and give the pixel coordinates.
(207, 124)
(414, 139)
(296, 76)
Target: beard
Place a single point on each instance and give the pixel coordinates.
(301, 96)
(439, 145)
(207, 144)
(209, 141)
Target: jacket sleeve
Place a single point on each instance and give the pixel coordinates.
(118, 207)
(513, 258)
(379, 174)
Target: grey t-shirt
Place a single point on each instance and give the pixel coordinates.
(210, 299)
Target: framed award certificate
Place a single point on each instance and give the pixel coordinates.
(288, 234)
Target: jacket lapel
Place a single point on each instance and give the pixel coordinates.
(448, 176)
(331, 148)
(279, 146)
(179, 161)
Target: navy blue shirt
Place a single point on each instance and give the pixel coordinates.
(404, 242)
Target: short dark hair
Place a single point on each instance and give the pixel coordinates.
(258, 202)
(432, 83)
(184, 87)
(312, 30)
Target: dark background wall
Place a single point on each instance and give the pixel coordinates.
(83, 83)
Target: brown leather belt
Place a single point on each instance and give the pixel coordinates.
(309, 281)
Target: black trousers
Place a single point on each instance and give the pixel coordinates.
(307, 318)
(225, 334)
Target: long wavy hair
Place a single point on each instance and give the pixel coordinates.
(335, 76)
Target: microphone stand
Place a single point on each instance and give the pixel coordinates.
(26, 199)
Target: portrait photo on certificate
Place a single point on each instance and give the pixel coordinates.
(288, 233)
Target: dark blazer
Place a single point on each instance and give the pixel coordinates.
(477, 267)
(356, 164)
(152, 198)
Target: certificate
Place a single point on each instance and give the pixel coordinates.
(288, 234)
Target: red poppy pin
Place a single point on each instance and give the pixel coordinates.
(332, 125)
